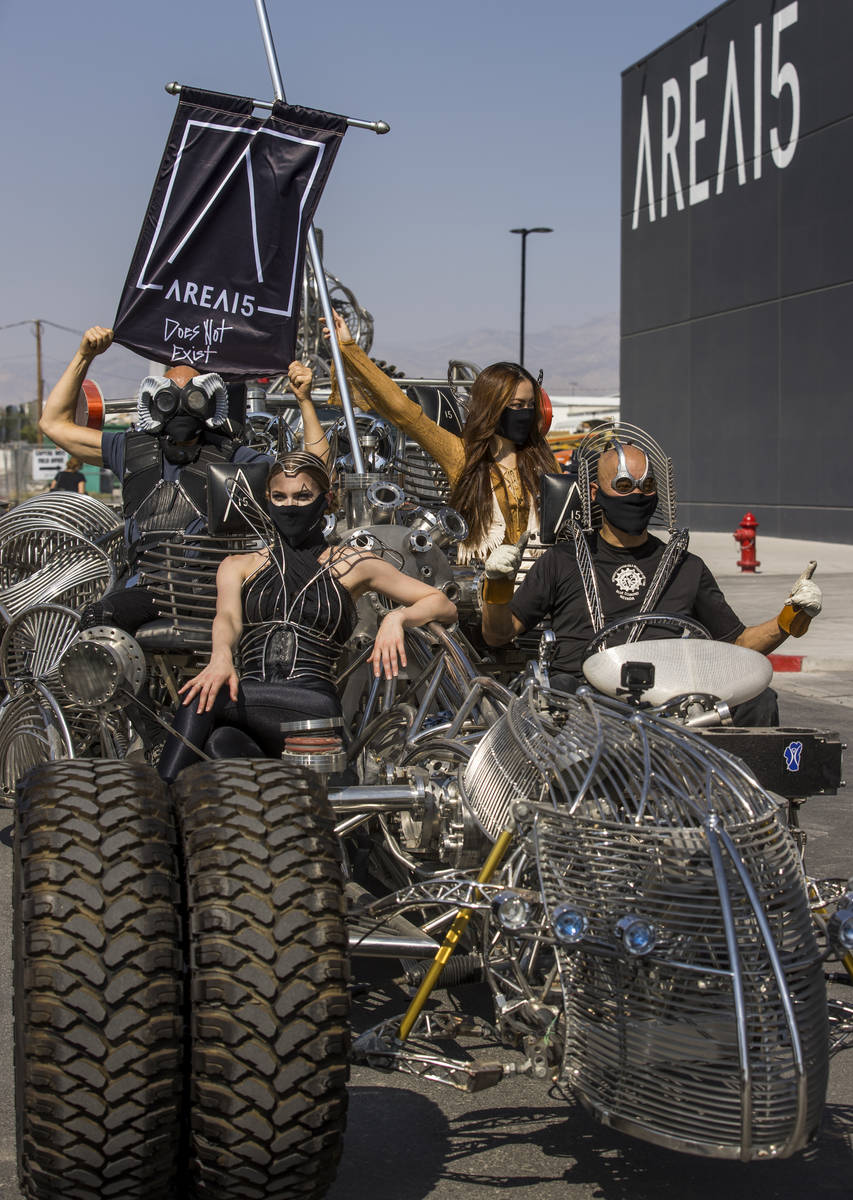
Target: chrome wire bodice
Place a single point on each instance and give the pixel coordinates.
(294, 630)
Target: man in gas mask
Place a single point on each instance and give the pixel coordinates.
(181, 428)
(613, 567)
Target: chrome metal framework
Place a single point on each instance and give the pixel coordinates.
(714, 1042)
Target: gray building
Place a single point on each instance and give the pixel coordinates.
(737, 264)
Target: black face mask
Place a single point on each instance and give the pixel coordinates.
(630, 513)
(183, 427)
(300, 524)
(516, 424)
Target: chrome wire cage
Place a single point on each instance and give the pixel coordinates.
(66, 510)
(420, 475)
(33, 730)
(709, 1033)
(44, 566)
(34, 642)
(32, 531)
(599, 440)
(58, 548)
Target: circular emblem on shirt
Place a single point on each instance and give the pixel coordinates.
(628, 579)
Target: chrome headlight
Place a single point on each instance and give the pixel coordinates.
(511, 910)
(638, 935)
(569, 923)
(839, 927)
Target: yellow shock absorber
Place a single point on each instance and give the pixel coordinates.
(454, 933)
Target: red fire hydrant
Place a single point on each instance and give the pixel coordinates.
(745, 534)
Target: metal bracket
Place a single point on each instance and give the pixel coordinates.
(381, 1049)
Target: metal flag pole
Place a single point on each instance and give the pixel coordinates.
(174, 89)
(316, 259)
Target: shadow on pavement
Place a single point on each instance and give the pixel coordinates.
(396, 1146)
(400, 1146)
(619, 1168)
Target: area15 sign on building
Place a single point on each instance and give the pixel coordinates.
(737, 263)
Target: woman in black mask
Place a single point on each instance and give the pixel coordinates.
(291, 609)
(495, 467)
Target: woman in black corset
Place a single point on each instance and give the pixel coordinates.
(291, 608)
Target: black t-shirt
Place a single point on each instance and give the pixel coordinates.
(553, 589)
(67, 481)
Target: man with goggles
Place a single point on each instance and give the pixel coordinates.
(202, 400)
(623, 565)
(182, 428)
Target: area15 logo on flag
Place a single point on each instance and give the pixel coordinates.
(215, 280)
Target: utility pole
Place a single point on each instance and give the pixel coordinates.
(39, 384)
(524, 235)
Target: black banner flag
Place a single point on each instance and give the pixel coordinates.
(216, 276)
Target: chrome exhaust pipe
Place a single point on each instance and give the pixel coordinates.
(441, 527)
(384, 499)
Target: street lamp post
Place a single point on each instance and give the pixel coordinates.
(524, 233)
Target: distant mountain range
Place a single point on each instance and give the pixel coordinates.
(577, 360)
(581, 359)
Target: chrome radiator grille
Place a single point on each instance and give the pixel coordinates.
(653, 1043)
(181, 573)
(715, 1041)
(501, 770)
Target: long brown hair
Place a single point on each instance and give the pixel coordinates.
(472, 493)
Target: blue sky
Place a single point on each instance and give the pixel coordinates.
(502, 114)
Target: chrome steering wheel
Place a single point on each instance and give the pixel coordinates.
(682, 626)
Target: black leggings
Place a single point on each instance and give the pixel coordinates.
(246, 728)
(128, 608)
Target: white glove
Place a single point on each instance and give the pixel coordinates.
(807, 597)
(504, 561)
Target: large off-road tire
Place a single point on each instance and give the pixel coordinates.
(268, 981)
(98, 984)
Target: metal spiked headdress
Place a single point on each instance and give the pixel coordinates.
(601, 439)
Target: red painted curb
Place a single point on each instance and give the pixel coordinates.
(786, 662)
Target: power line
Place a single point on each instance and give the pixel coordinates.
(52, 324)
(64, 328)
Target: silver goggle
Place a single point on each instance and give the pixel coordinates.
(623, 481)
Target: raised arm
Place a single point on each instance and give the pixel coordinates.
(377, 391)
(57, 420)
(314, 440)
(225, 633)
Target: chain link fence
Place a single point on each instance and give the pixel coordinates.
(26, 469)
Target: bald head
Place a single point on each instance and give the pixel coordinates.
(181, 375)
(609, 466)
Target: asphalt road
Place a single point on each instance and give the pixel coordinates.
(409, 1140)
(412, 1141)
